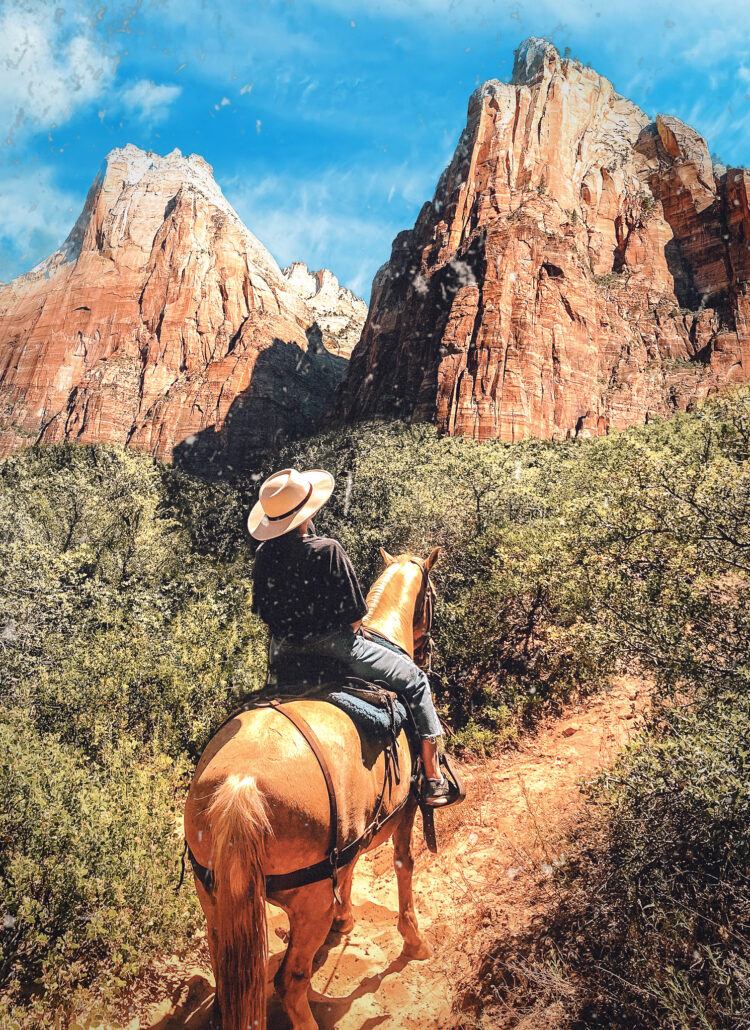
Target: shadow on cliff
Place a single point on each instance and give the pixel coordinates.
(289, 393)
(393, 370)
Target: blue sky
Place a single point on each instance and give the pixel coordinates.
(327, 122)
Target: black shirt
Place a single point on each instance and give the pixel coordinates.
(305, 584)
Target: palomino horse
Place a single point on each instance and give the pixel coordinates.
(259, 806)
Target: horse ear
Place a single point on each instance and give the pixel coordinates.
(433, 558)
(386, 557)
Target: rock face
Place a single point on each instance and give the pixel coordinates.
(164, 324)
(579, 269)
(339, 313)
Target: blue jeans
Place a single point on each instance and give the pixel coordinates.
(370, 660)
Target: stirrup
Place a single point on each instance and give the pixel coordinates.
(456, 784)
(455, 792)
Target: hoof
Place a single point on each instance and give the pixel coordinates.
(419, 949)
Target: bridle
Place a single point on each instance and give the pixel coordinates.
(423, 615)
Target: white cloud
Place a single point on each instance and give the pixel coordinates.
(47, 68)
(716, 46)
(148, 100)
(336, 218)
(35, 217)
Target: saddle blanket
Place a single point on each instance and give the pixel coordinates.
(371, 720)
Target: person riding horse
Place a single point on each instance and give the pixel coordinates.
(306, 590)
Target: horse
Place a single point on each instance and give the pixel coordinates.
(258, 806)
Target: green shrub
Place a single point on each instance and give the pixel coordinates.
(118, 624)
(650, 926)
(675, 910)
(127, 636)
(87, 866)
(651, 922)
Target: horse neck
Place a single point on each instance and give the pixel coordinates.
(390, 602)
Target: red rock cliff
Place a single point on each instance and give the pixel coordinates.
(578, 269)
(164, 324)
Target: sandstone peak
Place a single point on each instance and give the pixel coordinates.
(579, 268)
(163, 323)
(339, 312)
(531, 59)
(128, 199)
(684, 144)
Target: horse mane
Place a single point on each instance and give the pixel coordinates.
(391, 600)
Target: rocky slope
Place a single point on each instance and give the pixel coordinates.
(339, 313)
(580, 268)
(164, 324)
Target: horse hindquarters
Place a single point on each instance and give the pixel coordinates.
(238, 825)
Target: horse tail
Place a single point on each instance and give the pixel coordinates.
(239, 825)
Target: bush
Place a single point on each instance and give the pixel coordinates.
(651, 927)
(674, 910)
(118, 624)
(651, 922)
(127, 637)
(88, 870)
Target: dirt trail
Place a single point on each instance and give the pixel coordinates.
(512, 824)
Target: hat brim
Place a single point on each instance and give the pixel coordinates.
(261, 528)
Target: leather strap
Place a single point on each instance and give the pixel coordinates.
(304, 727)
(312, 873)
(329, 866)
(323, 870)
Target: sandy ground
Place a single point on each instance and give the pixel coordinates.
(511, 826)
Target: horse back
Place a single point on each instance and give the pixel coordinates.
(263, 744)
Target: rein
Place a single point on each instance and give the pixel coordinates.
(423, 647)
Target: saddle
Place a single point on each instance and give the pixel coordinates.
(378, 713)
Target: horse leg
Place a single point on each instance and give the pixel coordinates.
(415, 946)
(310, 912)
(343, 917)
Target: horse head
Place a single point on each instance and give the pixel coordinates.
(401, 603)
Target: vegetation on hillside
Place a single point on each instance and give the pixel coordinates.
(651, 922)
(127, 636)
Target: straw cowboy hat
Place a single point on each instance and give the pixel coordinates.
(286, 499)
